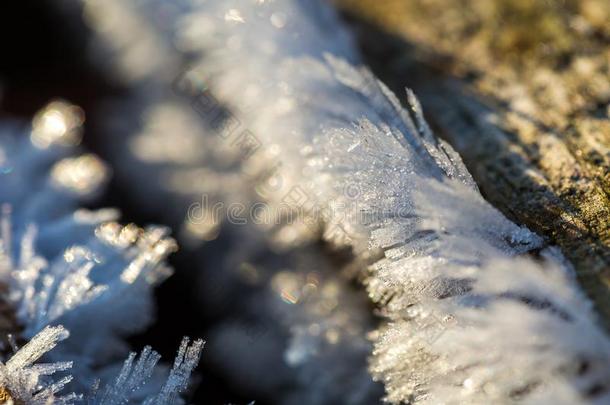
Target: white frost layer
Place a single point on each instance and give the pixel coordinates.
(468, 321)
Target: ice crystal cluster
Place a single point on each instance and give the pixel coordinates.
(272, 100)
(74, 282)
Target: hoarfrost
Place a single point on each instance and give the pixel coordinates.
(468, 318)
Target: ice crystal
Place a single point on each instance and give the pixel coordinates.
(468, 319)
(136, 374)
(22, 381)
(64, 268)
(186, 360)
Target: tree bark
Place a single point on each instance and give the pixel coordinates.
(521, 88)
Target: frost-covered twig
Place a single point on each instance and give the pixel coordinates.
(468, 319)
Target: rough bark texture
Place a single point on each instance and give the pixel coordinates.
(521, 88)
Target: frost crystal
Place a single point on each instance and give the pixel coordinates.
(185, 362)
(468, 319)
(63, 266)
(22, 381)
(133, 377)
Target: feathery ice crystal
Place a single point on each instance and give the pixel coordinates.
(67, 269)
(470, 317)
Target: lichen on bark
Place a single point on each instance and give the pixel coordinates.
(521, 89)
